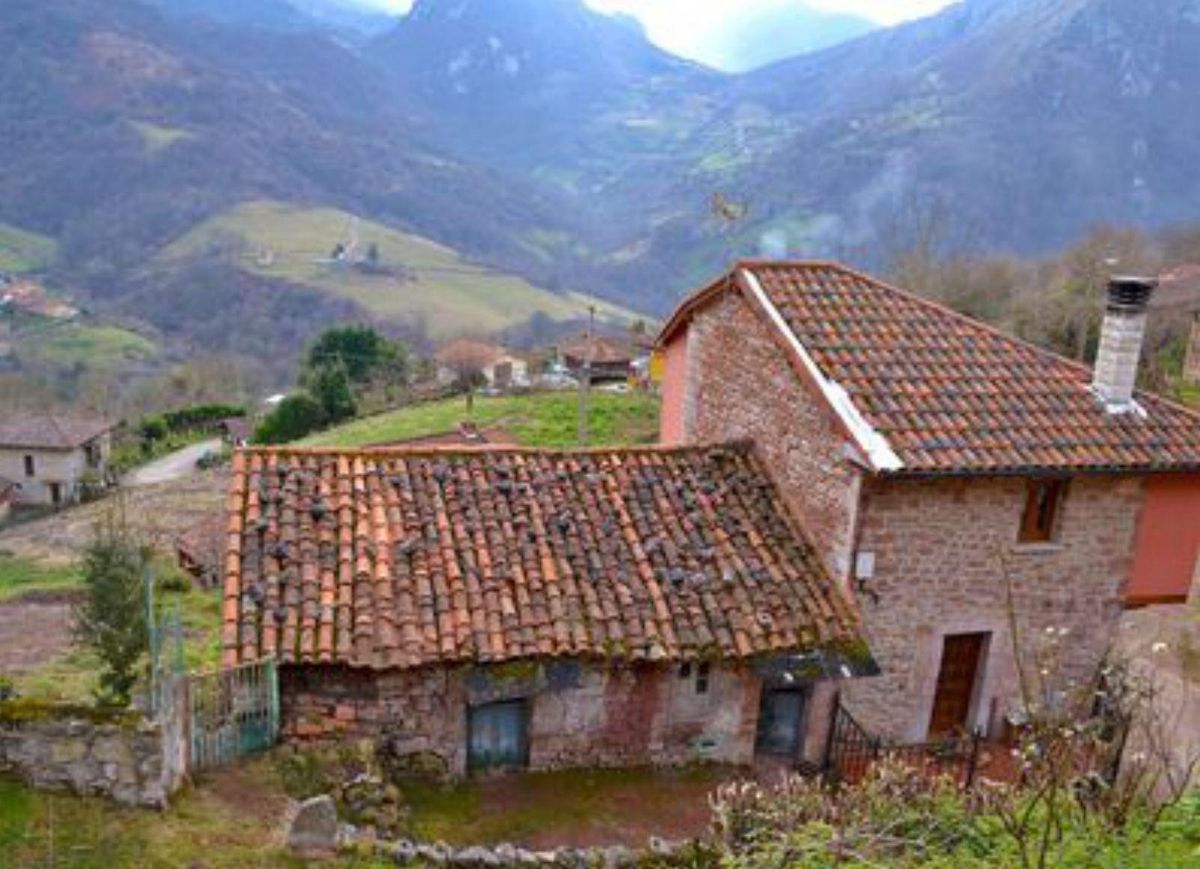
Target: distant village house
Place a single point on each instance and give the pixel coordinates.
(499, 368)
(51, 456)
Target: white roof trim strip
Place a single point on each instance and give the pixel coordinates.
(876, 447)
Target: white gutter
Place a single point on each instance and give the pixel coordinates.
(874, 445)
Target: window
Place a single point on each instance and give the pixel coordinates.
(1043, 501)
(29, 468)
(699, 673)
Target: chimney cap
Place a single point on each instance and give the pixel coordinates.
(1130, 292)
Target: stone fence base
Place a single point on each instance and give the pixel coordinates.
(658, 852)
(122, 756)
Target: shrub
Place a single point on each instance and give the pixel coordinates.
(297, 416)
(111, 618)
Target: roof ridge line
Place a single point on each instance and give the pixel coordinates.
(875, 446)
(491, 449)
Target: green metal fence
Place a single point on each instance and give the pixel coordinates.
(233, 713)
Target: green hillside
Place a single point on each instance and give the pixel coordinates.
(424, 282)
(79, 344)
(539, 420)
(22, 251)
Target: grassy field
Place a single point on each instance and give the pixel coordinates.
(70, 675)
(21, 576)
(97, 347)
(538, 420)
(447, 294)
(230, 821)
(22, 251)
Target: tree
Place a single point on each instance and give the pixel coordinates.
(367, 355)
(295, 417)
(329, 385)
(111, 618)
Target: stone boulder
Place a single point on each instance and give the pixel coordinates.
(314, 829)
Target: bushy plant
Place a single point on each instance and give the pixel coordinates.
(894, 813)
(111, 618)
(295, 417)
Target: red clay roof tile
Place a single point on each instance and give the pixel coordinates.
(953, 395)
(483, 556)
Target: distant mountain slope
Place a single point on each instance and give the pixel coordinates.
(768, 32)
(400, 278)
(1025, 121)
(540, 139)
(548, 88)
(121, 129)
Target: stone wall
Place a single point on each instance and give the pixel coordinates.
(739, 385)
(120, 757)
(941, 547)
(578, 715)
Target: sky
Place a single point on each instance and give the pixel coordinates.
(658, 15)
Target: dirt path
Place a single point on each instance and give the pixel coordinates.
(33, 632)
(174, 466)
(160, 512)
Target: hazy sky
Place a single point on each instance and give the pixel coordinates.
(658, 13)
(686, 27)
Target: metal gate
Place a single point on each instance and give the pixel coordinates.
(232, 713)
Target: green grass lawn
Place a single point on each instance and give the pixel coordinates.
(21, 576)
(23, 251)
(229, 822)
(449, 296)
(583, 807)
(71, 676)
(539, 420)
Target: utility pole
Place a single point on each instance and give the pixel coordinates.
(585, 380)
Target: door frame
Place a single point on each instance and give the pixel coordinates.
(526, 717)
(806, 695)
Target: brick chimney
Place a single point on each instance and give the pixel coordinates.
(1121, 342)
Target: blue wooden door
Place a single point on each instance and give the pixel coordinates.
(780, 721)
(497, 736)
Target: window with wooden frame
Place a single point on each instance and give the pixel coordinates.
(1043, 503)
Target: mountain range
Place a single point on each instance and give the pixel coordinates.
(541, 139)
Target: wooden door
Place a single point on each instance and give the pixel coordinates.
(498, 736)
(961, 654)
(781, 721)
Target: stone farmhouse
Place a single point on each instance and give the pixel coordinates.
(50, 456)
(970, 491)
(480, 608)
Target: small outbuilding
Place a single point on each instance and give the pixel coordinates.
(53, 456)
(526, 609)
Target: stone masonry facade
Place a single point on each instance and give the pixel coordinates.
(946, 554)
(740, 386)
(588, 716)
(122, 761)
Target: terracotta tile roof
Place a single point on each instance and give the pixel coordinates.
(953, 395)
(50, 431)
(398, 559)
